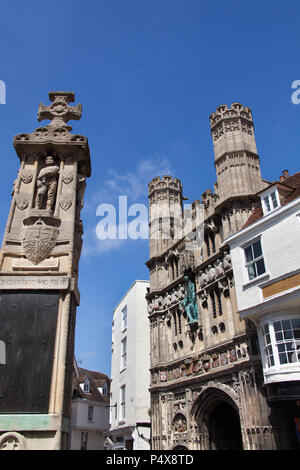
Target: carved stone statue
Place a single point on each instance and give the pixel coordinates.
(203, 279)
(226, 260)
(219, 267)
(190, 301)
(47, 185)
(212, 273)
(180, 424)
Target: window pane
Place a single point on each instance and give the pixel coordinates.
(286, 325)
(274, 200)
(290, 346)
(283, 358)
(296, 323)
(252, 271)
(267, 203)
(248, 254)
(271, 361)
(279, 336)
(277, 325)
(266, 327)
(257, 249)
(288, 334)
(297, 334)
(281, 347)
(260, 267)
(292, 356)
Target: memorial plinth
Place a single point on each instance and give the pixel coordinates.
(38, 281)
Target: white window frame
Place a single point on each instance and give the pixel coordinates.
(86, 386)
(104, 389)
(122, 402)
(113, 333)
(124, 318)
(274, 342)
(124, 353)
(90, 414)
(267, 201)
(246, 263)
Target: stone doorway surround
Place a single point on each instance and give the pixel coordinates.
(205, 411)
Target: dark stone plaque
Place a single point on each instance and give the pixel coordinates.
(27, 327)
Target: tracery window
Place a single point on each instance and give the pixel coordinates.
(216, 302)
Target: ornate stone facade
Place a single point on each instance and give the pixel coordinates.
(206, 379)
(38, 280)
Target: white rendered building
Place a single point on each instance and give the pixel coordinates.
(90, 409)
(265, 257)
(130, 377)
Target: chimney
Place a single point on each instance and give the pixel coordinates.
(285, 174)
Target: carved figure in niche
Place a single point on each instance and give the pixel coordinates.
(190, 301)
(203, 279)
(181, 291)
(157, 302)
(47, 185)
(168, 300)
(212, 273)
(219, 267)
(179, 423)
(226, 260)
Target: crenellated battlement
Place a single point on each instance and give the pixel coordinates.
(236, 158)
(164, 182)
(223, 112)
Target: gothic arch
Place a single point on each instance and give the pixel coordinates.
(180, 447)
(212, 393)
(215, 399)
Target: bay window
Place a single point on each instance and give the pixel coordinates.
(281, 342)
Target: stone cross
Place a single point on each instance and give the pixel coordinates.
(59, 112)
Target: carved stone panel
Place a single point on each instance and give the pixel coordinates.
(39, 237)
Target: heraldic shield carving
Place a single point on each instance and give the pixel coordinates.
(39, 235)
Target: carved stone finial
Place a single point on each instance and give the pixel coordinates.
(59, 112)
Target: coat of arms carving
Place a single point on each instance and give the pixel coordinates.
(67, 177)
(65, 204)
(26, 177)
(38, 240)
(22, 201)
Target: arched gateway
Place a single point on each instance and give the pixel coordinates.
(217, 416)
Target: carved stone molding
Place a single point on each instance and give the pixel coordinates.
(39, 235)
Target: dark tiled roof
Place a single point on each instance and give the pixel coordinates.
(292, 182)
(96, 379)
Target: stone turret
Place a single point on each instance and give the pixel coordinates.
(236, 159)
(165, 213)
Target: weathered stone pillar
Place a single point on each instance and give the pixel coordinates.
(38, 281)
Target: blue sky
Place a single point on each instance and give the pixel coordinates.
(148, 74)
